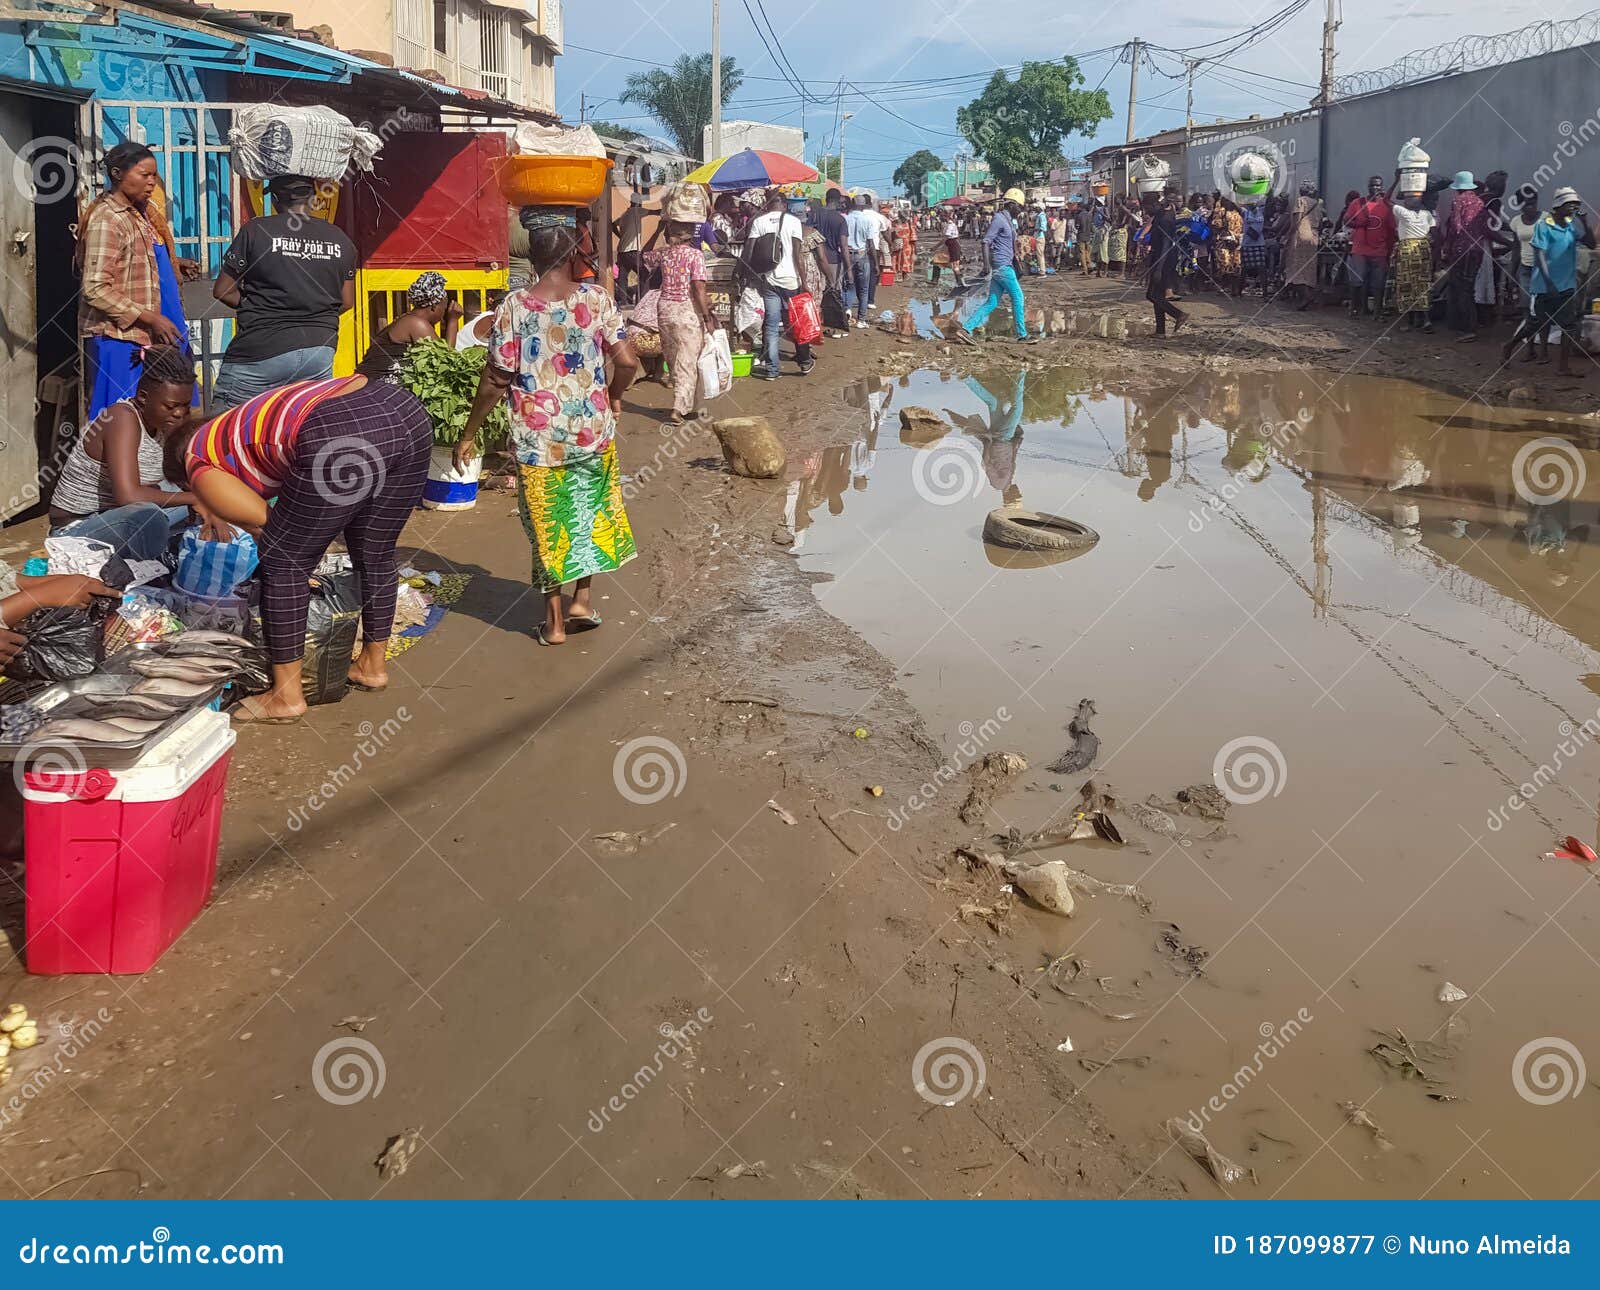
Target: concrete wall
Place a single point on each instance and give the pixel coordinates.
(1537, 119)
(1290, 143)
(786, 140)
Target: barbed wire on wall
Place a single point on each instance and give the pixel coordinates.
(1469, 52)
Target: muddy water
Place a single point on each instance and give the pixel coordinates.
(1344, 592)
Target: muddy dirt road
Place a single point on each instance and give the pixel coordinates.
(625, 917)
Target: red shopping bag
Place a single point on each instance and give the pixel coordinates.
(805, 319)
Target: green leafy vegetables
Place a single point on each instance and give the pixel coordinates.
(446, 380)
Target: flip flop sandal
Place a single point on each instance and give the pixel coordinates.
(247, 720)
(365, 688)
(583, 622)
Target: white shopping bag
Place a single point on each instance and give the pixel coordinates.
(716, 365)
(748, 312)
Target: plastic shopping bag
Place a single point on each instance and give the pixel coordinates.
(63, 643)
(716, 365)
(749, 314)
(214, 569)
(805, 319)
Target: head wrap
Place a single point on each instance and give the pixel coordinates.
(534, 218)
(427, 291)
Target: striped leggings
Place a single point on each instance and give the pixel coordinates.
(359, 466)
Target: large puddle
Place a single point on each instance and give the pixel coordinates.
(1378, 605)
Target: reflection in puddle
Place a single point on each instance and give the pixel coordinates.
(1400, 594)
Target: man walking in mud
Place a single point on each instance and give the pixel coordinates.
(1163, 273)
(1000, 257)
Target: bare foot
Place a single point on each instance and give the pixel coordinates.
(268, 709)
(375, 679)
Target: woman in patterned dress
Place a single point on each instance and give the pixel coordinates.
(684, 314)
(559, 349)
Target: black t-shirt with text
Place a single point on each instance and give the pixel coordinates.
(291, 271)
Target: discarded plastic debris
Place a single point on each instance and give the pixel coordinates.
(780, 812)
(754, 1169)
(1184, 958)
(1572, 849)
(987, 778)
(627, 844)
(861, 732)
(1094, 1064)
(1449, 993)
(1047, 885)
(1400, 1055)
(1222, 1169)
(354, 1024)
(1358, 1117)
(397, 1152)
(1085, 743)
(875, 790)
(1065, 1046)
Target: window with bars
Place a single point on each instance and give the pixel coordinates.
(492, 32)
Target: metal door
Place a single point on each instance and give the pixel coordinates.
(19, 450)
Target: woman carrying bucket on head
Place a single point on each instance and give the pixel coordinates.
(559, 350)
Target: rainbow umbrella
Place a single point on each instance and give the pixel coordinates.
(751, 168)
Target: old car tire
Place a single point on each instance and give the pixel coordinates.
(1035, 531)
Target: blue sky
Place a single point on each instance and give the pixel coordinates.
(898, 52)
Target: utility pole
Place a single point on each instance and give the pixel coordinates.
(715, 150)
(842, 121)
(582, 103)
(1133, 79)
(1188, 104)
(1330, 24)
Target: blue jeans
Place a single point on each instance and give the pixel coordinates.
(1003, 281)
(140, 531)
(774, 301)
(864, 284)
(240, 382)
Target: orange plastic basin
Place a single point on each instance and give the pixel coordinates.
(551, 181)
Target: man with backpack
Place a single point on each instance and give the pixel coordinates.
(773, 257)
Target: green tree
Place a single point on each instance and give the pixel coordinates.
(828, 166)
(680, 96)
(911, 172)
(1018, 126)
(622, 132)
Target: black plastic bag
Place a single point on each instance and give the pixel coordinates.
(62, 643)
(834, 314)
(332, 622)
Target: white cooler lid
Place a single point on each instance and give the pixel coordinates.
(168, 767)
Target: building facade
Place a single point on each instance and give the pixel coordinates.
(507, 48)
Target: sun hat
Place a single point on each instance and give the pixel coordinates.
(1563, 196)
(1463, 181)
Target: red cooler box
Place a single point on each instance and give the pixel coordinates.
(119, 862)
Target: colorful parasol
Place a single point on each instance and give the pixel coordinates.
(751, 168)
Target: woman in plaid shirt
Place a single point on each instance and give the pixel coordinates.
(130, 293)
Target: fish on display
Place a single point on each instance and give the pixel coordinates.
(169, 687)
(184, 669)
(126, 705)
(183, 647)
(226, 640)
(85, 730)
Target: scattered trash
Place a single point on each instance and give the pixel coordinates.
(780, 812)
(395, 1158)
(1443, 1097)
(1572, 849)
(875, 790)
(756, 1169)
(1399, 1054)
(1047, 885)
(1065, 1046)
(1094, 1064)
(1207, 800)
(1225, 1171)
(1449, 993)
(1085, 743)
(627, 844)
(861, 732)
(987, 778)
(1358, 1117)
(1184, 958)
(1155, 820)
(354, 1024)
